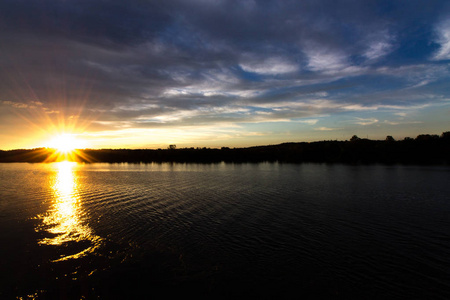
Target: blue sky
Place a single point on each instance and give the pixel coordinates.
(145, 74)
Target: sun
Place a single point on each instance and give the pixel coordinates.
(67, 147)
(65, 143)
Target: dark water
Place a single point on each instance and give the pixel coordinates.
(309, 231)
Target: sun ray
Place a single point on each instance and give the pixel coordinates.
(65, 147)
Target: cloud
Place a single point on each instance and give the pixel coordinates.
(31, 105)
(15, 104)
(220, 63)
(394, 123)
(378, 45)
(269, 66)
(443, 39)
(325, 60)
(309, 121)
(377, 50)
(326, 129)
(365, 121)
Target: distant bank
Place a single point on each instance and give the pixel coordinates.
(424, 149)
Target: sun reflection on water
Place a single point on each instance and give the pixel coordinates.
(65, 220)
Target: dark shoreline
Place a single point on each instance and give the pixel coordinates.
(425, 149)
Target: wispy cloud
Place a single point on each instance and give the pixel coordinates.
(401, 122)
(269, 66)
(327, 128)
(308, 122)
(365, 121)
(324, 60)
(379, 45)
(443, 39)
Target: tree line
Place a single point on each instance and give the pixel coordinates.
(424, 149)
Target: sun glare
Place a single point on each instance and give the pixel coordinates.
(65, 143)
(66, 147)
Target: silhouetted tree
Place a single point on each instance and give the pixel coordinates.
(389, 138)
(354, 138)
(424, 149)
(426, 137)
(445, 135)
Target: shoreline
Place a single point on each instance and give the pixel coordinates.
(425, 149)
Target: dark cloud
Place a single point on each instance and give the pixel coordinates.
(196, 62)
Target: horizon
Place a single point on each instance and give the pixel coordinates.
(141, 75)
(175, 146)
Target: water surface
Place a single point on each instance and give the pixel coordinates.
(270, 230)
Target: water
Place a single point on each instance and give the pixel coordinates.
(115, 231)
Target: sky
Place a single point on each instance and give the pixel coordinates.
(213, 73)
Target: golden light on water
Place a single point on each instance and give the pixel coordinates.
(65, 220)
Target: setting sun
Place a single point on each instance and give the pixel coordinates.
(65, 143)
(66, 147)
